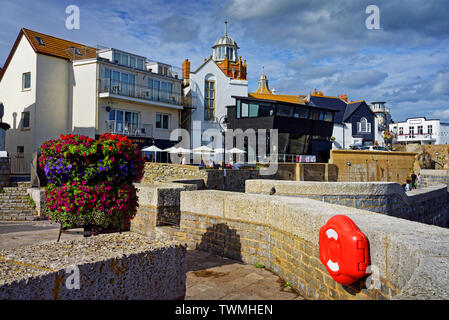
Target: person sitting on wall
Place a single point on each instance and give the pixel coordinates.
(408, 185)
(202, 164)
(418, 180)
(237, 166)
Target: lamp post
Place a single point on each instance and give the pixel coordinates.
(223, 121)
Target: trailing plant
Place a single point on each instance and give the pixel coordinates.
(91, 181)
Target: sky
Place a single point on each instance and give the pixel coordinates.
(302, 45)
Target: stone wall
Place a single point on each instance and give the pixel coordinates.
(411, 259)
(4, 172)
(231, 180)
(431, 177)
(159, 204)
(372, 165)
(112, 266)
(428, 205)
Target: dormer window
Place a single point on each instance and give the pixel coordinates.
(76, 51)
(40, 41)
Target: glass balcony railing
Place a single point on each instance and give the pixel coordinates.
(140, 92)
(129, 128)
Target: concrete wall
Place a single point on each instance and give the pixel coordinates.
(372, 165)
(111, 266)
(281, 233)
(428, 205)
(4, 172)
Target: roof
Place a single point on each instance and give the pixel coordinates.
(57, 47)
(278, 97)
(52, 46)
(274, 98)
(333, 103)
(350, 108)
(263, 87)
(225, 40)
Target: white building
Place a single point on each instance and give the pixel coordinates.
(51, 86)
(211, 87)
(420, 130)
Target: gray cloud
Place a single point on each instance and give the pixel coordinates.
(362, 79)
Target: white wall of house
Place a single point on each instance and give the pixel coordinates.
(225, 87)
(52, 97)
(84, 108)
(439, 134)
(16, 100)
(343, 136)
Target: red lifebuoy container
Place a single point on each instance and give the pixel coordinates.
(343, 250)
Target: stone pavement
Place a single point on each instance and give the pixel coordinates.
(209, 277)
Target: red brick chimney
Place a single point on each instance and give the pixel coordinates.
(186, 69)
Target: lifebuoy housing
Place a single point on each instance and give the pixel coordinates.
(343, 250)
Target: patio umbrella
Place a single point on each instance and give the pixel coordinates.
(219, 150)
(236, 151)
(152, 149)
(179, 150)
(169, 149)
(203, 149)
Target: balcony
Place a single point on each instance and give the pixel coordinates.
(110, 88)
(129, 129)
(416, 137)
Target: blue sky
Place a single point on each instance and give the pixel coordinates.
(302, 44)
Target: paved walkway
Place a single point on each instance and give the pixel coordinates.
(209, 277)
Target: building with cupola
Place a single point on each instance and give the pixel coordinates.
(210, 88)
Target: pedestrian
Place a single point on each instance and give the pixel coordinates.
(414, 177)
(418, 181)
(184, 160)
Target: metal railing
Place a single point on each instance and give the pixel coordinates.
(140, 92)
(129, 128)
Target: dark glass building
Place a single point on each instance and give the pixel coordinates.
(302, 129)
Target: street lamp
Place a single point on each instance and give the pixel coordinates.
(223, 121)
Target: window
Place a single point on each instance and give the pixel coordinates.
(300, 112)
(76, 51)
(40, 41)
(420, 131)
(284, 111)
(364, 126)
(244, 110)
(25, 120)
(411, 130)
(401, 130)
(429, 129)
(314, 114)
(209, 100)
(123, 122)
(107, 80)
(26, 81)
(20, 149)
(140, 63)
(253, 110)
(132, 62)
(162, 121)
(326, 116)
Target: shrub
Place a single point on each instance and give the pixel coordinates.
(90, 182)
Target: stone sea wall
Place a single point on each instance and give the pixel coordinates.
(428, 205)
(110, 266)
(409, 259)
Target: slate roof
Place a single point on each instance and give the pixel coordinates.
(332, 103)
